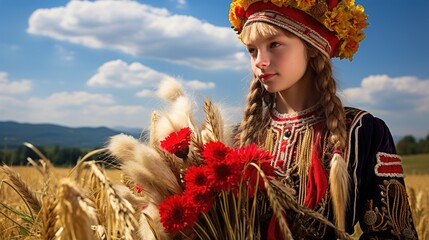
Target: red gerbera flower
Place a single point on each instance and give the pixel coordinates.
(177, 142)
(260, 157)
(203, 201)
(177, 212)
(215, 152)
(225, 175)
(196, 179)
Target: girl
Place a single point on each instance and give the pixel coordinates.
(340, 161)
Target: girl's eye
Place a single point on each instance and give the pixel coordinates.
(251, 51)
(274, 44)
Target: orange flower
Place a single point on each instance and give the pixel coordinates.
(305, 5)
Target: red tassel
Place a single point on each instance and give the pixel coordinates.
(317, 182)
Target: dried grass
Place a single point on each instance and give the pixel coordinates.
(48, 217)
(419, 202)
(76, 209)
(115, 213)
(28, 196)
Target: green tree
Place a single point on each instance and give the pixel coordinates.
(423, 145)
(407, 145)
(23, 152)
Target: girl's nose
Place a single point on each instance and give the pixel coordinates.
(262, 60)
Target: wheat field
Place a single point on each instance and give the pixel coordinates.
(21, 221)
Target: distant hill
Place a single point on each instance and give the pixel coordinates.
(14, 134)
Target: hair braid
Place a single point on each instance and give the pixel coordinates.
(335, 115)
(256, 116)
(332, 104)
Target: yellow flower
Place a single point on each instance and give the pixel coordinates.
(278, 3)
(305, 5)
(359, 18)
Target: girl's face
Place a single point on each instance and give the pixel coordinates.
(279, 61)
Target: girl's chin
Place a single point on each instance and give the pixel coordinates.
(270, 88)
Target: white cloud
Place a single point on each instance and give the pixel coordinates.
(74, 109)
(64, 53)
(146, 93)
(13, 87)
(119, 74)
(181, 3)
(198, 85)
(402, 102)
(390, 94)
(69, 99)
(141, 30)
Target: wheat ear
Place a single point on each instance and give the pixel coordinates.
(49, 218)
(214, 120)
(116, 213)
(76, 212)
(29, 197)
(195, 145)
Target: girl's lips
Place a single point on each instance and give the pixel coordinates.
(266, 76)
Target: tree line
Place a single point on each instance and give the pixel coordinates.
(409, 145)
(59, 156)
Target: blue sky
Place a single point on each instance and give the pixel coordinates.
(98, 63)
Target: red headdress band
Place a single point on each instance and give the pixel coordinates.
(295, 21)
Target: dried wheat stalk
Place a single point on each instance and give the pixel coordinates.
(49, 218)
(214, 120)
(117, 212)
(195, 145)
(23, 190)
(76, 212)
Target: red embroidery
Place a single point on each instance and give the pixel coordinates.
(388, 165)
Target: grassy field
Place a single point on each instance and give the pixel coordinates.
(416, 164)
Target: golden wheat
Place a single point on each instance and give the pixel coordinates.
(15, 210)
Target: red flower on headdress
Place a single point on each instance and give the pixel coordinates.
(214, 152)
(331, 4)
(177, 142)
(176, 213)
(239, 11)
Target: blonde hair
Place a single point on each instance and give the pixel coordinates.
(260, 102)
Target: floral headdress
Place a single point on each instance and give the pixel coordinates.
(333, 26)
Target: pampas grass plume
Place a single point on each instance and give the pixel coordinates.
(170, 89)
(122, 147)
(150, 224)
(152, 161)
(176, 117)
(145, 167)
